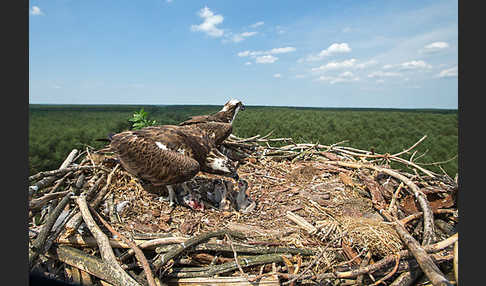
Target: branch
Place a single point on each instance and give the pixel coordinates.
(426, 264)
(103, 243)
(429, 228)
(138, 253)
(178, 249)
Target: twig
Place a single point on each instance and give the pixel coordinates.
(394, 198)
(394, 270)
(37, 204)
(103, 243)
(236, 257)
(38, 244)
(314, 262)
(429, 228)
(411, 147)
(210, 271)
(41, 175)
(138, 253)
(425, 262)
(89, 263)
(69, 159)
(178, 249)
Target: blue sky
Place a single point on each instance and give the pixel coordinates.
(391, 54)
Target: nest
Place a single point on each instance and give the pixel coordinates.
(323, 209)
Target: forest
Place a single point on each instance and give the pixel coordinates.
(54, 130)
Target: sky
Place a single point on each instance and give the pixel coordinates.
(346, 53)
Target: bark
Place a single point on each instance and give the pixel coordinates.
(90, 264)
(38, 244)
(103, 243)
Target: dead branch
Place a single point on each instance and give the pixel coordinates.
(138, 253)
(429, 228)
(37, 204)
(210, 271)
(38, 244)
(103, 244)
(425, 262)
(91, 264)
(178, 249)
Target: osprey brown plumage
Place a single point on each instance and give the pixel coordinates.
(170, 154)
(226, 115)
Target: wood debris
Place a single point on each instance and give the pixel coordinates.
(321, 214)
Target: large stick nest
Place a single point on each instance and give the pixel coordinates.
(326, 199)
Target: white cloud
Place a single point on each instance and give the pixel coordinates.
(410, 65)
(277, 75)
(415, 65)
(208, 26)
(452, 72)
(335, 48)
(435, 47)
(346, 74)
(336, 65)
(366, 64)
(267, 59)
(240, 37)
(383, 74)
(282, 50)
(35, 10)
(257, 24)
(247, 63)
(344, 77)
(266, 56)
(169, 1)
(299, 76)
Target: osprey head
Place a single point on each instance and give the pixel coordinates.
(232, 105)
(218, 163)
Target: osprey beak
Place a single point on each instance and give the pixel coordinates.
(242, 107)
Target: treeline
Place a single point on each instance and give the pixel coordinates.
(55, 130)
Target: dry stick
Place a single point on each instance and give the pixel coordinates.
(429, 228)
(425, 262)
(73, 224)
(249, 249)
(63, 171)
(38, 244)
(80, 241)
(315, 260)
(153, 243)
(89, 263)
(69, 159)
(394, 270)
(38, 203)
(60, 182)
(411, 147)
(387, 260)
(236, 257)
(138, 253)
(47, 181)
(103, 243)
(417, 215)
(406, 278)
(364, 262)
(394, 197)
(178, 249)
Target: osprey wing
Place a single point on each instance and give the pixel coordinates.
(145, 153)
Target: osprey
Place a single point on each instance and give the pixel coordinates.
(226, 115)
(168, 155)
